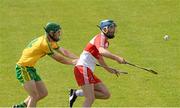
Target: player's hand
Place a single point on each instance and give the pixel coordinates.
(114, 71)
(74, 61)
(121, 60)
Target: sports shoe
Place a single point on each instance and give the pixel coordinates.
(18, 106)
(72, 97)
(21, 105)
(15, 106)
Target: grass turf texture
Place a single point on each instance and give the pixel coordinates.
(139, 39)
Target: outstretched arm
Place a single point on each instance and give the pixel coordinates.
(104, 52)
(106, 67)
(67, 53)
(62, 59)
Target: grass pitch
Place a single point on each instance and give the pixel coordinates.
(142, 25)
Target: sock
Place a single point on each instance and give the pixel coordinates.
(24, 104)
(79, 93)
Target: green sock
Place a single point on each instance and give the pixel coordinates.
(22, 104)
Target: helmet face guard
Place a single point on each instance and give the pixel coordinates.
(52, 27)
(56, 39)
(106, 27)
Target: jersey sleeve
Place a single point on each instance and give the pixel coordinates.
(101, 41)
(48, 47)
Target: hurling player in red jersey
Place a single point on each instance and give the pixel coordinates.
(91, 86)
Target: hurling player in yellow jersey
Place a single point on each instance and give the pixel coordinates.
(36, 49)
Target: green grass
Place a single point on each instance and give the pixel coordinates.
(139, 39)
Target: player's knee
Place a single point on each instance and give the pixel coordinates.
(43, 94)
(107, 95)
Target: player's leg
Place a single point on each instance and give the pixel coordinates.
(40, 86)
(91, 91)
(22, 104)
(30, 87)
(101, 91)
(88, 91)
(27, 100)
(24, 75)
(42, 90)
(78, 75)
(85, 80)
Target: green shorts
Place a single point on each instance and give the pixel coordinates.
(25, 73)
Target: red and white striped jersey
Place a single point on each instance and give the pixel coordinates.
(91, 51)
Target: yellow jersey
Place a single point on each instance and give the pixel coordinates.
(36, 49)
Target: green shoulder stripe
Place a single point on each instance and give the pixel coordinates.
(31, 43)
(50, 48)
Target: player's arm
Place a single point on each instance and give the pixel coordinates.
(104, 52)
(106, 67)
(67, 53)
(62, 59)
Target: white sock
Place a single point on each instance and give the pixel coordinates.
(79, 93)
